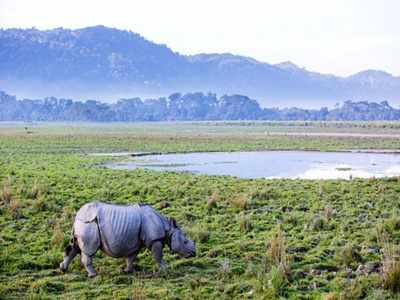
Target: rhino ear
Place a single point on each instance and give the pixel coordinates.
(172, 221)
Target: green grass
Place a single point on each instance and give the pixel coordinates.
(328, 228)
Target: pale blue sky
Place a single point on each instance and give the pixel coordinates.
(338, 36)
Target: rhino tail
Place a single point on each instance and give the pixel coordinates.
(73, 244)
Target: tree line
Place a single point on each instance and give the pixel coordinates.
(183, 107)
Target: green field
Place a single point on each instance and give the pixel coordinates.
(256, 239)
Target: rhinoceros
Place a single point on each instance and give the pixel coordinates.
(122, 231)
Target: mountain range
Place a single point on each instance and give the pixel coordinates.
(107, 63)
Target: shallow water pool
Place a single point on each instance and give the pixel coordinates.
(272, 164)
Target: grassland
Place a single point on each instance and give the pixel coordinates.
(256, 239)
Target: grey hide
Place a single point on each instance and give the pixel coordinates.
(121, 229)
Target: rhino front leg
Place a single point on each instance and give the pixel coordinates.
(129, 263)
(87, 263)
(157, 252)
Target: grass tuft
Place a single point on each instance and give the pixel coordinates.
(35, 191)
(58, 236)
(224, 270)
(349, 254)
(277, 251)
(277, 280)
(15, 207)
(390, 263)
(6, 191)
(245, 223)
(212, 201)
(242, 202)
(200, 234)
(331, 296)
(138, 292)
(328, 213)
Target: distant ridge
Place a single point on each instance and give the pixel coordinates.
(107, 63)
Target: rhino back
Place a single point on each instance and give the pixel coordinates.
(119, 228)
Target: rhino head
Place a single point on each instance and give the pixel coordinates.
(178, 243)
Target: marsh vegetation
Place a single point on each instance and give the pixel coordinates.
(256, 238)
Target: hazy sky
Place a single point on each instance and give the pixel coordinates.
(330, 36)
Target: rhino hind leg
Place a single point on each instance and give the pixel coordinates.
(88, 264)
(88, 239)
(129, 263)
(70, 252)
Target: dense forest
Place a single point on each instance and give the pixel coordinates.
(183, 107)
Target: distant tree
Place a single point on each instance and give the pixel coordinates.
(185, 107)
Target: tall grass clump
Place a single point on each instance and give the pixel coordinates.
(6, 191)
(212, 201)
(276, 252)
(35, 191)
(328, 213)
(349, 254)
(390, 263)
(245, 223)
(224, 270)
(199, 233)
(58, 236)
(241, 202)
(277, 280)
(15, 207)
(138, 292)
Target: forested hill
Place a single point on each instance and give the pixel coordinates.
(182, 107)
(105, 62)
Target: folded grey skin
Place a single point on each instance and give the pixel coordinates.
(122, 231)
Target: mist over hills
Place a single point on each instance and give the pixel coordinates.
(107, 63)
